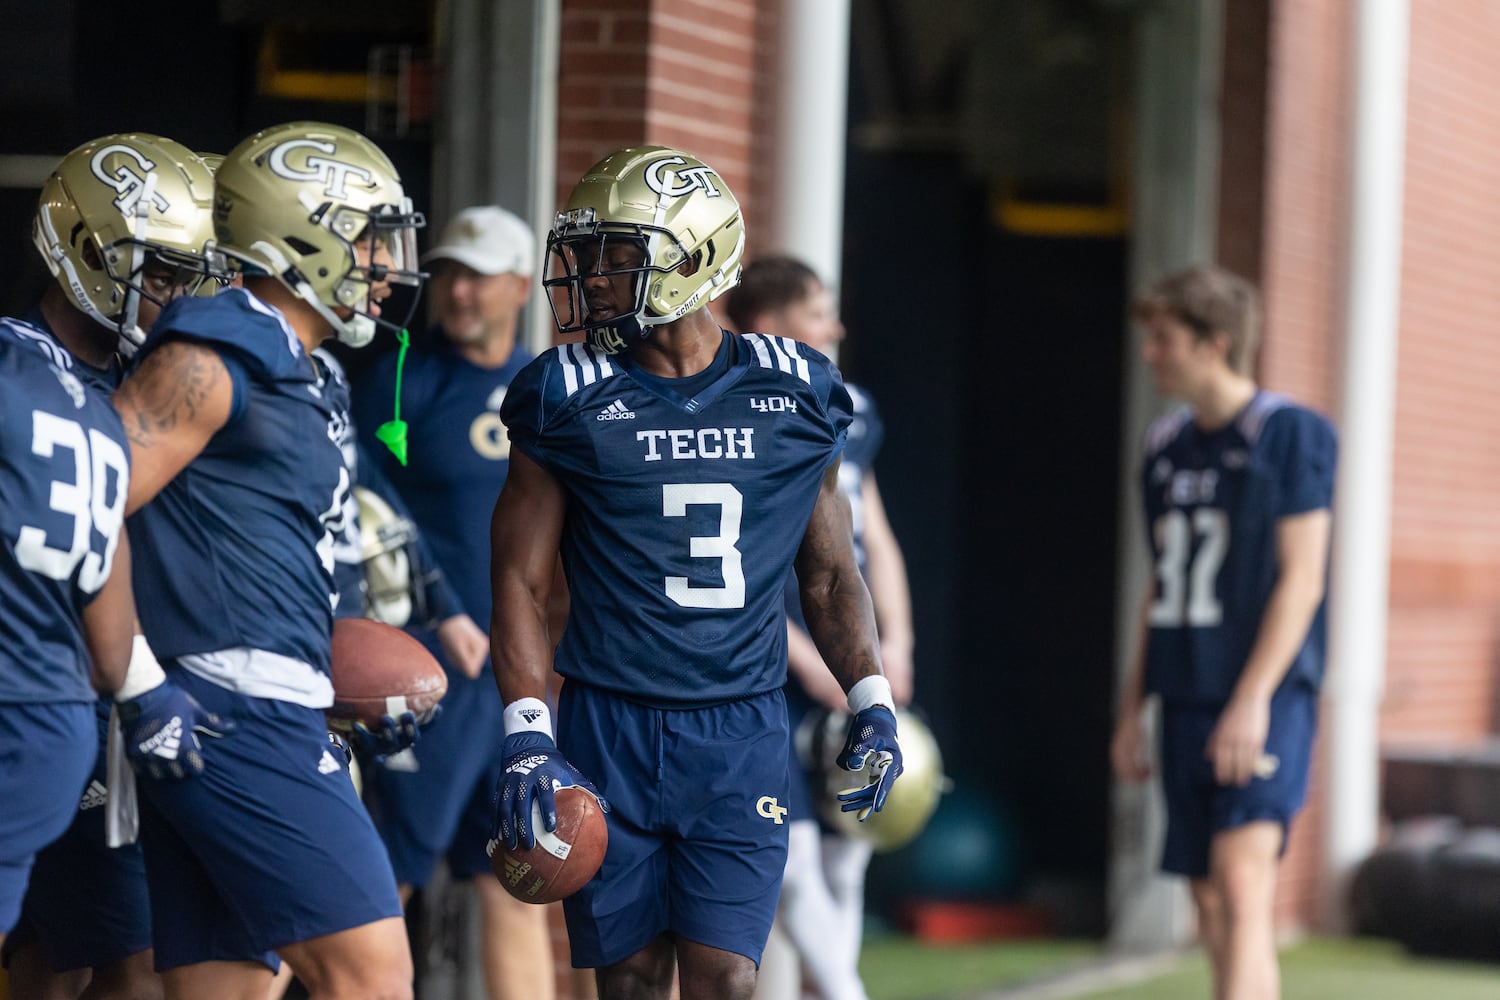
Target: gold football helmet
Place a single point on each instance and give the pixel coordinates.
(680, 220)
(314, 206)
(387, 544)
(116, 204)
(912, 800)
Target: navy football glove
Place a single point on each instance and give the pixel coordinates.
(871, 743)
(391, 736)
(533, 771)
(161, 729)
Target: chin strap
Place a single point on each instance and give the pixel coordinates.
(392, 433)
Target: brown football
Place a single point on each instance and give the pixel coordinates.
(563, 860)
(380, 670)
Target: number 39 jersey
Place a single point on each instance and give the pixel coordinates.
(684, 514)
(1212, 503)
(237, 550)
(64, 473)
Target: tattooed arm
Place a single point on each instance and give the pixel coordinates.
(172, 404)
(835, 601)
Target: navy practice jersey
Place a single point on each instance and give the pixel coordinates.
(683, 515)
(1212, 503)
(457, 456)
(64, 473)
(237, 551)
(866, 433)
(348, 567)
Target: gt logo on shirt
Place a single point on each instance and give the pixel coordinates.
(489, 437)
(1190, 487)
(766, 806)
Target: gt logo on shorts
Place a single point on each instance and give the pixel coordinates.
(767, 807)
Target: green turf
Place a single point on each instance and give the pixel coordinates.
(895, 967)
(1334, 969)
(899, 968)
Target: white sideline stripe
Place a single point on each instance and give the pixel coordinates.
(1108, 973)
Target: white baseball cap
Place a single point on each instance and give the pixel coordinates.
(489, 239)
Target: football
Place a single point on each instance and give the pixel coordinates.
(563, 860)
(380, 670)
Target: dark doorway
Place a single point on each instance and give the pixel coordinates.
(984, 289)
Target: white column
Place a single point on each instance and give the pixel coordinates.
(1179, 54)
(1359, 594)
(807, 201)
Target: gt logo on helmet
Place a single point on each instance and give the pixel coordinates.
(685, 180)
(130, 184)
(332, 173)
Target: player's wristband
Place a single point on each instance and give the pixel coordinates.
(144, 672)
(528, 715)
(872, 690)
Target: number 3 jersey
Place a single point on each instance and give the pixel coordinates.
(236, 552)
(684, 514)
(64, 473)
(1212, 503)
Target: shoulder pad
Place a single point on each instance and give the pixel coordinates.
(234, 319)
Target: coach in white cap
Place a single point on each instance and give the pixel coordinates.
(481, 277)
(435, 803)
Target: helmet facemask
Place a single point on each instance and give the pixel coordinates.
(379, 247)
(579, 249)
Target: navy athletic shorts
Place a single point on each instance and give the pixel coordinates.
(697, 822)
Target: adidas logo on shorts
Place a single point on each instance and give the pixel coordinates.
(616, 411)
(94, 796)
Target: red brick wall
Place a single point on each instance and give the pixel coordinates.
(694, 74)
(1445, 544)
(1444, 630)
(1305, 176)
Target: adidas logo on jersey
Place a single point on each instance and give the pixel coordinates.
(327, 765)
(165, 742)
(616, 411)
(94, 796)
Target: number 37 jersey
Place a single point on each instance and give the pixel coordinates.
(684, 514)
(1212, 503)
(64, 473)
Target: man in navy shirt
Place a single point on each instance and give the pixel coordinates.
(237, 497)
(679, 470)
(1238, 489)
(435, 801)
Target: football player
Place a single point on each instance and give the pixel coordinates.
(1237, 488)
(237, 495)
(680, 470)
(122, 223)
(822, 895)
(457, 460)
